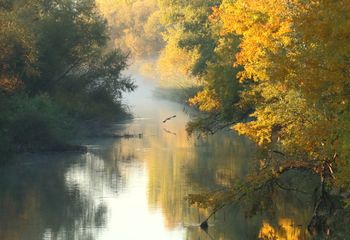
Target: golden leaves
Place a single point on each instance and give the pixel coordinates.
(264, 27)
(205, 100)
(297, 53)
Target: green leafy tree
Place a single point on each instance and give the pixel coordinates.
(55, 67)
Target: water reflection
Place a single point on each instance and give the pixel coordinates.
(37, 203)
(286, 230)
(135, 188)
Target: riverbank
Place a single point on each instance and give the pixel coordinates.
(56, 74)
(41, 124)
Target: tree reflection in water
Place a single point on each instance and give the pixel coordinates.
(136, 188)
(40, 199)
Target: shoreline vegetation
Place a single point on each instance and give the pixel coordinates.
(57, 73)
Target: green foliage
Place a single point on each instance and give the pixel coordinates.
(70, 35)
(55, 68)
(38, 122)
(32, 124)
(97, 93)
(190, 19)
(342, 181)
(192, 28)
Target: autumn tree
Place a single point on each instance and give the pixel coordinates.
(134, 26)
(294, 57)
(192, 35)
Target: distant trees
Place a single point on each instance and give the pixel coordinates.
(134, 26)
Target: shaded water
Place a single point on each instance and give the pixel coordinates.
(135, 188)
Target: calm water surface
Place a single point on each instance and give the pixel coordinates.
(135, 188)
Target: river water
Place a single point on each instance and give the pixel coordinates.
(135, 188)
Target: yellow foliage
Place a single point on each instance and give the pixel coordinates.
(286, 231)
(297, 53)
(134, 25)
(205, 101)
(265, 26)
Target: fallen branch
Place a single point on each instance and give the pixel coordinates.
(204, 225)
(127, 135)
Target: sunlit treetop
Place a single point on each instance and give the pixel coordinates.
(297, 53)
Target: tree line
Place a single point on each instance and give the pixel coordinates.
(56, 73)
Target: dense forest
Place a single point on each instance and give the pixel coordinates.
(276, 71)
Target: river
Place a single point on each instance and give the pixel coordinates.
(135, 188)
